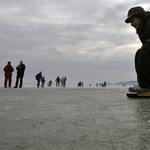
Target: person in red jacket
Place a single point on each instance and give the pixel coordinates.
(8, 74)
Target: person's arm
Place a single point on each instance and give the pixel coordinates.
(148, 27)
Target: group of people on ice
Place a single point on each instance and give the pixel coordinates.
(8, 69)
(101, 84)
(59, 82)
(39, 78)
(80, 84)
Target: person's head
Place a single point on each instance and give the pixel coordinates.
(9, 63)
(134, 16)
(21, 62)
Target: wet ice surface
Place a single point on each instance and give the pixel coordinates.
(73, 119)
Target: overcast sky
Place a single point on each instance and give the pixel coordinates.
(83, 40)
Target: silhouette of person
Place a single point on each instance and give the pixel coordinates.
(57, 81)
(43, 81)
(104, 85)
(81, 84)
(20, 74)
(8, 69)
(140, 20)
(50, 83)
(96, 84)
(65, 79)
(38, 78)
(63, 82)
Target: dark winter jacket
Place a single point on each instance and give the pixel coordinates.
(38, 77)
(43, 80)
(57, 79)
(142, 57)
(144, 29)
(8, 70)
(20, 69)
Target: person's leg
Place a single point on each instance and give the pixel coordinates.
(17, 79)
(5, 82)
(142, 66)
(21, 81)
(38, 83)
(10, 80)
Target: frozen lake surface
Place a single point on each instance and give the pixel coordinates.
(73, 119)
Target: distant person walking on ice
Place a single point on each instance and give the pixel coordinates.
(20, 73)
(50, 83)
(38, 77)
(8, 74)
(62, 82)
(65, 79)
(43, 81)
(57, 81)
(140, 20)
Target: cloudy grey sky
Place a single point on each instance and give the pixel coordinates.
(83, 40)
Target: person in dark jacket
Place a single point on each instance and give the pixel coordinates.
(20, 74)
(57, 81)
(43, 81)
(38, 78)
(8, 74)
(140, 20)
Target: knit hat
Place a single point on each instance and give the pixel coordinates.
(133, 11)
(9, 62)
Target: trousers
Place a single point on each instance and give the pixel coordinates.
(142, 67)
(19, 76)
(7, 79)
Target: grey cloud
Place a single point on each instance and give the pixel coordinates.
(53, 50)
(65, 34)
